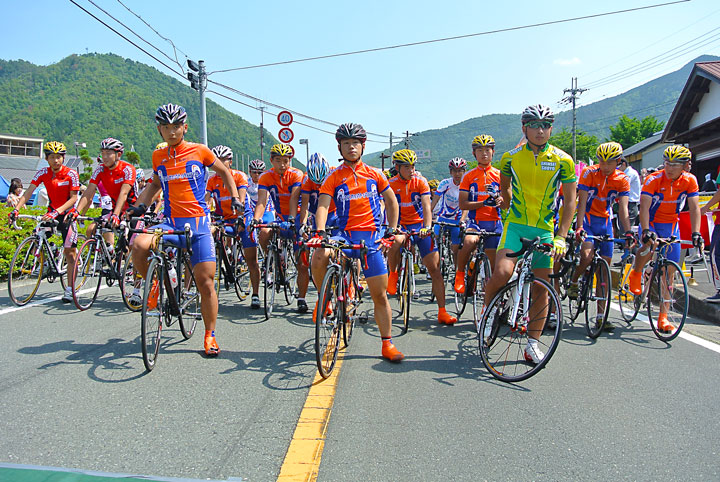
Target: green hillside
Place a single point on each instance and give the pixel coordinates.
(87, 98)
(655, 98)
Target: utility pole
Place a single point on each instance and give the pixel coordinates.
(262, 134)
(199, 83)
(407, 139)
(384, 156)
(574, 93)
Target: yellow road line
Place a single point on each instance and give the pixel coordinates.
(302, 460)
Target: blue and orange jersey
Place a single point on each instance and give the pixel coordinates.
(59, 185)
(409, 196)
(668, 197)
(182, 171)
(312, 189)
(602, 190)
(280, 188)
(221, 194)
(357, 195)
(475, 183)
(114, 179)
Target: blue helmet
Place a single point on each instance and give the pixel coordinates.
(317, 168)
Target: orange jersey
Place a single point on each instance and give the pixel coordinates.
(668, 197)
(221, 194)
(602, 190)
(59, 186)
(312, 189)
(182, 172)
(280, 188)
(409, 196)
(357, 195)
(475, 183)
(114, 179)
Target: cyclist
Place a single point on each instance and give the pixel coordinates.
(664, 194)
(529, 178)
(179, 170)
(282, 184)
(357, 190)
(445, 202)
(479, 196)
(257, 168)
(318, 170)
(599, 187)
(62, 185)
(413, 197)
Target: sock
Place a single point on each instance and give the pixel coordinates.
(386, 339)
(460, 274)
(210, 333)
(441, 310)
(301, 299)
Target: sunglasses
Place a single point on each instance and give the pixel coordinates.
(675, 163)
(538, 125)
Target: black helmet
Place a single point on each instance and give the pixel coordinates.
(351, 131)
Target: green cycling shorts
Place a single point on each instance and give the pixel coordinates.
(511, 240)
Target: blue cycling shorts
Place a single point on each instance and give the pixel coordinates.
(201, 241)
(376, 265)
(454, 232)
(250, 240)
(491, 227)
(425, 245)
(597, 226)
(665, 230)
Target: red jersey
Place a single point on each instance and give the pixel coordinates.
(182, 172)
(312, 189)
(602, 190)
(113, 179)
(409, 196)
(280, 188)
(221, 194)
(357, 195)
(668, 197)
(59, 186)
(474, 183)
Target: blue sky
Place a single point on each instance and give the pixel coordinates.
(415, 88)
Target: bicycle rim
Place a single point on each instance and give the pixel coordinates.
(327, 324)
(598, 298)
(407, 293)
(88, 275)
(269, 283)
(130, 282)
(669, 290)
(291, 273)
(629, 303)
(352, 297)
(242, 273)
(152, 316)
(189, 301)
(26, 270)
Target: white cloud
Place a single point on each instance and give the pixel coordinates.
(566, 62)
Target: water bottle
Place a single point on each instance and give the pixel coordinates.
(172, 272)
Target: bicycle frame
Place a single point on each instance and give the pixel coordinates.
(40, 233)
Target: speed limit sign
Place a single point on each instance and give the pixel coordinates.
(285, 118)
(286, 135)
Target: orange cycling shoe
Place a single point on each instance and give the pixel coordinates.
(664, 325)
(328, 310)
(211, 346)
(635, 279)
(444, 317)
(460, 282)
(390, 352)
(153, 295)
(392, 283)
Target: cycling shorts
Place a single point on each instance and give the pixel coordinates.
(597, 226)
(425, 245)
(491, 227)
(331, 224)
(203, 246)
(511, 240)
(376, 265)
(249, 240)
(665, 230)
(68, 232)
(454, 232)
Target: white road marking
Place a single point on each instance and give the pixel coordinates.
(42, 302)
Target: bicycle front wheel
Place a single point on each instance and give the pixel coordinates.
(353, 292)
(667, 301)
(26, 270)
(504, 343)
(88, 275)
(598, 298)
(407, 287)
(130, 284)
(328, 323)
(189, 300)
(291, 274)
(270, 281)
(629, 303)
(153, 314)
(241, 272)
(461, 298)
(478, 291)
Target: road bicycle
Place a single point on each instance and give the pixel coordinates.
(447, 258)
(170, 293)
(339, 301)
(279, 272)
(406, 278)
(231, 269)
(519, 311)
(477, 274)
(664, 289)
(35, 259)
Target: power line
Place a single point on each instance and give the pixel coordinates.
(445, 39)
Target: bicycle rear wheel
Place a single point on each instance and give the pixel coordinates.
(503, 350)
(406, 288)
(241, 271)
(353, 294)
(598, 298)
(461, 299)
(26, 271)
(88, 275)
(291, 274)
(130, 283)
(668, 294)
(62, 262)
(152, 314)
(328, 323)
(478, 293)
(577, 305)
(629, 303)
(189, 300)
(270, 281)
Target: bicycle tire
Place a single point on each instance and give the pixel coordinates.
(151, 318)
(270, 281)
(353, 299)
(62, 263)
(291, 274)
(577, 305)
(26, 270)
(629, 303)
(188, 299)
(481, 279)
(241, 272)
(503, 355)
(461, 298)
(598, 300)
(130, 280)
(406, 288)
(670, 274)
(328, 323)
(88, 275)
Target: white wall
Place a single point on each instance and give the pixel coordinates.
(709, 107)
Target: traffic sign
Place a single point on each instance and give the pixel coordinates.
(286, 135)
(285, 118)
(423, 153)
(293, 152)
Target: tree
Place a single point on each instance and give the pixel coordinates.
(585, 145)
(88, 163)
(133, 158)
(629, 131)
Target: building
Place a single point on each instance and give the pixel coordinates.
(646, 153)
(695, 120)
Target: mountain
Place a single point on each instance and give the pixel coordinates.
(87, 98)
(656, 98)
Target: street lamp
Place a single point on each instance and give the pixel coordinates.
(307, 150)
(78, 144)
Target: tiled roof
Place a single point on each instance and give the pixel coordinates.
(712, 68)
(654, 139)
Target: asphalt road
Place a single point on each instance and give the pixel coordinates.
(75, 395)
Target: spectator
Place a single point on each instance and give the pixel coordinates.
(635, 187)
(709, 184)
(14, 193)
